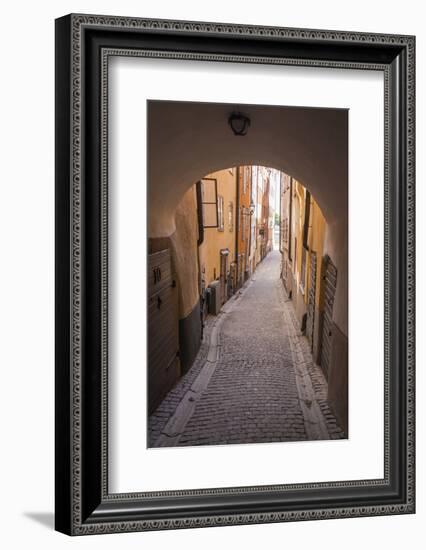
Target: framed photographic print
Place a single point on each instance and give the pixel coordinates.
(234, 274)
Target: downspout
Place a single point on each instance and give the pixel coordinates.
(281, 215)
(306, 220)
(200, 241)
(250, 182)
(199, 214)
(290, 219)
(237, 211)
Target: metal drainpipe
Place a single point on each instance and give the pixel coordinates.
(306, 219)
(199, 213)
(200, 231)
(250, 216)
(290, 219)
(280, 244)
(199, 198)
(237, 217)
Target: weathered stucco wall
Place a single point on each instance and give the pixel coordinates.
(336, 246)
(323, 238)
(214, 240)
(199, 141)
(184, 252)
(315, 241)
(317, 231)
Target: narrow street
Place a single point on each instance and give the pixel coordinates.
(253, 380)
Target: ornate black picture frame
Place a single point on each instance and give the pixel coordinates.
(83, 46)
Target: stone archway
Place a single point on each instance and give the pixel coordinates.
(188, 140)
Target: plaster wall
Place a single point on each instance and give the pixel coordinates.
(183, 244)
(317, 231)
(336, 246)
(215, 240)
(199, 141)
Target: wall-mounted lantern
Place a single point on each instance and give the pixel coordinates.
(239, 123)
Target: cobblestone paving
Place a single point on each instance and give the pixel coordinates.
(165, 410)
(252, 396)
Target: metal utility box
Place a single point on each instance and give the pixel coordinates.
(214, 297)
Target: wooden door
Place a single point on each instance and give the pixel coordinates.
(163, 336)
(310, 321)
(330, 281)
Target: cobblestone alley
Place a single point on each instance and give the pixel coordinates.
(253, 380)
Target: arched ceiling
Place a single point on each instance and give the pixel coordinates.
(186, 141)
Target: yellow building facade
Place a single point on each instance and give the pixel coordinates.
(302, 238)
(245, 212)
(217, 251)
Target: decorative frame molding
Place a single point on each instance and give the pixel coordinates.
(84, 44)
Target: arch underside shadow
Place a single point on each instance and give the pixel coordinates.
(188, 140)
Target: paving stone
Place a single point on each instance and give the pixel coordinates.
(252, 394)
